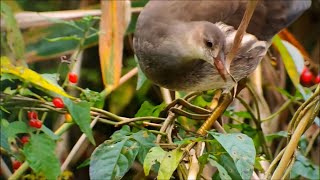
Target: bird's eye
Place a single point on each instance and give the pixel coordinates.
(209, 44)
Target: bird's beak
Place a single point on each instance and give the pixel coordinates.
(219, 63)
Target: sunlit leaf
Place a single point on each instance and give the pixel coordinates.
(27, 75)
(289, 64)
(169, 163)
(114, 21)
(155, 154)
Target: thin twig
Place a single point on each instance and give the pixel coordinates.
(194, 116)
(312, 140)
(127, 121)
(77, 146)
(273, 164)
(292, 145)
(5, 170)
(288, 170)
(251, 5)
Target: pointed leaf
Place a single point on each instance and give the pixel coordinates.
(241, 149)
(17, 127)
(112, 161)
(4, 135)
(289, 64)
(169, 163)
(146, 141)
(114, 21)
(154, 154)
(41, 157)
(28, 75)
(80, 113)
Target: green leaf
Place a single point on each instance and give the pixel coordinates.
(112, 161)
(289, 65)
(94, 98)
(241, 149)
(169, 163)
(121, 134)
(154, 154)
(80, 113)
(146, 141)
(27, 75)
(84, 164)
(222, 171)
(13, 33)
(148, 109)
(4, 135)
(17, 127)
(280, 134)
(38, 46)
(41, 157)
(304, 167)
(48, 132)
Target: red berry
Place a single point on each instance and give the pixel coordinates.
(36, 123)
(317, 79)
(16, 164)
(306, 78)
(73, 77)
(25, 139)
(32, 115)
(58, 102)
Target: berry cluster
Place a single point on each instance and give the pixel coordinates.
(307, 79)
(33, 120)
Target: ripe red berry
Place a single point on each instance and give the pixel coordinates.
(16, 164)
(306, 78)
(317, 79)
(73, 77)
(36, 123)
(58, 102)
(32, 115)
(25, 139)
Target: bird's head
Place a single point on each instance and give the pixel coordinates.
(209, 45)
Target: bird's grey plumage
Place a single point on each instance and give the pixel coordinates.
(168, 57)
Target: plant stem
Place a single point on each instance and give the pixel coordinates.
(77, 146)
(18, 173)
(292, 145)
(282, 108)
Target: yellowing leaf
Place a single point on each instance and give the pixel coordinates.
(28, 75)
(114, 21)
(289, 64)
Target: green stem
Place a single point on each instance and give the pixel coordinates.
(281, 109)
(19, 172)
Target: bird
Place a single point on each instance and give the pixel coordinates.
(180, 45)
